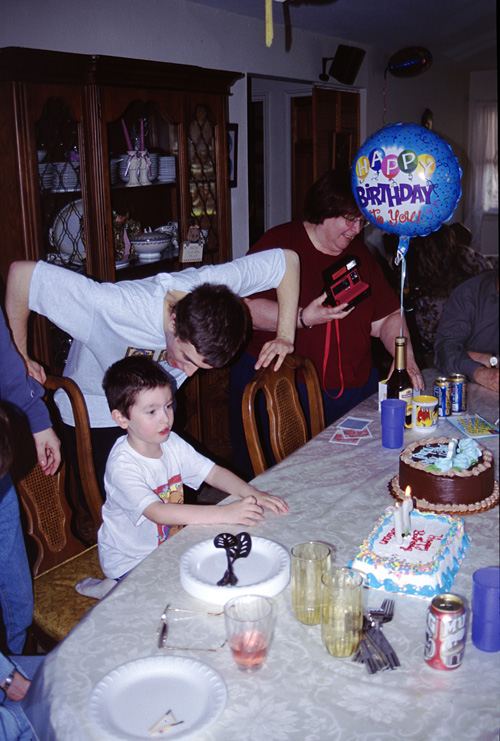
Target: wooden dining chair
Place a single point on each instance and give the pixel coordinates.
(288, 428)
(61, 559)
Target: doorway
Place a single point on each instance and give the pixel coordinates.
(296, 132)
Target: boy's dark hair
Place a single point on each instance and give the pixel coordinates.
(214, 320)
(5, 448)
(330, 197)
(127, 377)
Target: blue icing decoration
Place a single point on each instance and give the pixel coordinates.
(443, 464)
(467, 454)
(462, 460)
(470, 448)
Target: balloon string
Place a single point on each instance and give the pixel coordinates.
(403, 278)
(384, 98)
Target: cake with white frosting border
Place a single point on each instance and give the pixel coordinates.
(424, 564)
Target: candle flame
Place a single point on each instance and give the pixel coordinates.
(408, 491)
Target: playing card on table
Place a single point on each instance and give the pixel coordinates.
(338, 437)
(351, 431)
(355, 423)
(356, 434)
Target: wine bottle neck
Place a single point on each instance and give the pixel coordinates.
(400, 356)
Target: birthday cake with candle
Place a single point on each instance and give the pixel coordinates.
(419, 557)
(447, 475)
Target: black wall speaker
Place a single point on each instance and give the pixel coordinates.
(346, 63)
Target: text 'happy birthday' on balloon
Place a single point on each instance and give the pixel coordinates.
(376, 195)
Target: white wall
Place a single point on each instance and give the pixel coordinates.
(188, 33)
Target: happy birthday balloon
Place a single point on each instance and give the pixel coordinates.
(406, 180)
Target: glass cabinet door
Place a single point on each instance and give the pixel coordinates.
(57, 141)
(142, 146)
(202, 175)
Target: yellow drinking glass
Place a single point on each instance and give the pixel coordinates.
(341, 611)
(309, 561)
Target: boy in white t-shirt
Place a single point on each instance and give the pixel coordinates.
(145, 473)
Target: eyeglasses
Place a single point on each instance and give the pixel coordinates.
(163, 631)
(352, 222)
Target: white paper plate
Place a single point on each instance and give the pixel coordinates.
(129, 700)
(265, 571)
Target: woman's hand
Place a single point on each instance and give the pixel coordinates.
(280, 347)
(316, 313)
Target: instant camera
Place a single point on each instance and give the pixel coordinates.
(343, 283)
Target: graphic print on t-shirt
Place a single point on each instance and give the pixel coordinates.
(173, 493)
(161, 358)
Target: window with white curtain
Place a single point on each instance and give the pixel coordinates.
(482, 196)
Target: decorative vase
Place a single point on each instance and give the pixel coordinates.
(133, 169)
(144, 167)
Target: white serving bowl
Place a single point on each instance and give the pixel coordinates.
(151, 242)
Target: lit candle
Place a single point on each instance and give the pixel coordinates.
(407, 508)
(398, 524)
(127, 137)
(142, 135)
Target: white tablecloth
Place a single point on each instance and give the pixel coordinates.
(335, 492)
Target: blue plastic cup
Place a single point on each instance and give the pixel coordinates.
(486, 608)
(393, 413)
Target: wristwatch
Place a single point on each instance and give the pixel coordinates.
(7, 681)
(494, 361)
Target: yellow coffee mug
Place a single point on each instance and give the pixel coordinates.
(424, 413)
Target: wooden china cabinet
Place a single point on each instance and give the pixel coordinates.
(64, 182)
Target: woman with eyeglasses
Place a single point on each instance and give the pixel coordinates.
(336, 339)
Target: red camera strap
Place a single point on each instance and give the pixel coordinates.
(327, 353)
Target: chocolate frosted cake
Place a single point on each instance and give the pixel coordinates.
(447, 475)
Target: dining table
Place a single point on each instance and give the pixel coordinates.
(335, 492)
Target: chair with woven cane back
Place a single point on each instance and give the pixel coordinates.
(288, 429)
(61, 560)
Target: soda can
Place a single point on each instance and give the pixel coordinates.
(445, 632)
(443, 391)
(459, 393)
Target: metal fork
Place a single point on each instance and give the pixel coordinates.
(379, 638)
(369, 652)
(384, 613)
(376, 617)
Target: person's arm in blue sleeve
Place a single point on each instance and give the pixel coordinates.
(25, 395)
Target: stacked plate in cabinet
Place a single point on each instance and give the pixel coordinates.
(113, 169)
(66, 177)
(46, 175)
(166, 171)
(153, 165)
